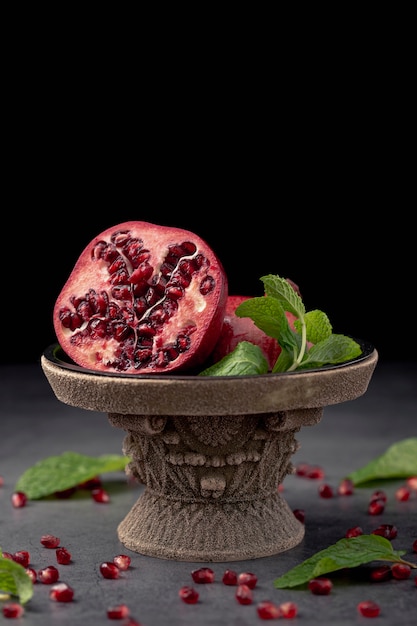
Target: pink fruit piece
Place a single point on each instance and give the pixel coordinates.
(142, 299)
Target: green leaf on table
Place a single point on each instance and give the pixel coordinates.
(398, 461)
(345, 553)
(69, 469)
(245, 360)
(333, 350)
(14, 579)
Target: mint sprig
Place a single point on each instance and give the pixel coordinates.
(397, 462)
(14, 579)
(345, 553)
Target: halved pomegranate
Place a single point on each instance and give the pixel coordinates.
(142, 298)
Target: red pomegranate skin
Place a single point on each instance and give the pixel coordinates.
(142, 299)
(236, 329)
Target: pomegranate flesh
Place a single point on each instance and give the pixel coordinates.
(142, 299)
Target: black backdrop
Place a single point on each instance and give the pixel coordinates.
(356, 265)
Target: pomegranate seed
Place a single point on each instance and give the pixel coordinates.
(13, 610)
(65, 493)
(367, 608)
(229, 577)
(376, 507)
(1, 481)
(412, 483)
(320, 586)
(109, 570)
(281, 487)
(300, 515)
(326, 491)
(400, 571)
(247, 578)
(188, 595)
(268, 610)
(7, 555)
(92, 483)
(203, 575)
(63, 557)
(403, 494)
(315, 472)
(288, 609)
(22, 557)
(61, 593)
(48, 575)
(19, 499)
(119, 611)
(386, 530)
(244, 594)
(100, 495)
(415, 546)
(50, 541)
(379, 495)
(346, 487)
(380, 573)
(122, 561)
(302, 469)
(355, 531)
(32, 574)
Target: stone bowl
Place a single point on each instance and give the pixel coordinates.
(212, 452)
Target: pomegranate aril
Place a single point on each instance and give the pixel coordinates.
(1, 481)
(203, 575)
(122, 561)
(100, 495)
(300, 515)
(31, 572)
(386, 530)
(346, 487)
(244, 594)
(326, 491)
(229, 577)
(119, 611)
(19, 499)
(320, 586)
(61, 593)
(268, 610)
(48, 575)
(315, 472)
(403, 494)
(379, 495)
(22, 557)
(355, 531)
(247, 578)
(412, 483)
(400, 571)
(109, 570)
(12, 610)
(288, 610)
(381, 573)
(50, 541)
(368, 608)
(188, 595)
(63, 557)
(91, 483)
(376, 507)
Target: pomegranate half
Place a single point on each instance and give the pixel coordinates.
(141, 299)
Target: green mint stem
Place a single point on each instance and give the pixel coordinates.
(300, 356)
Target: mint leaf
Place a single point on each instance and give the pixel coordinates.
(345, 553)
(58, 473)
(280, 288)
(398, 461)
(14, 580)
(245, 360)
(333, 350)
(268, 314)
(318, 326)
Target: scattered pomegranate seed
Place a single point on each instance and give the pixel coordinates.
(244, 594)
(268, 610)
(50, 541)
(412, 483)
(401, 571)
(247, 578)
(119, 611)
(229, 577)
(122, 561)
(346, 487)
(63, 557)
(92, 483)
(13, 610)
(288, 609)
(22, 557)
(1, 481)
(109, 570)
(379, 495)
(381, 573)
(403, 494)
(302, 469)
(326, 491)
(188, 595)
(376, 507)
(100, 495)
(19, 499)
(386, 530)
(48, 575)
(203, 575)
(32, 574)
(65, 493)
(8, 555)
(61, 593)
(320, 586)
(300, 515)
(367, 608)
(415, 546)
(355, 531)
(281, 487)
(315, 472)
